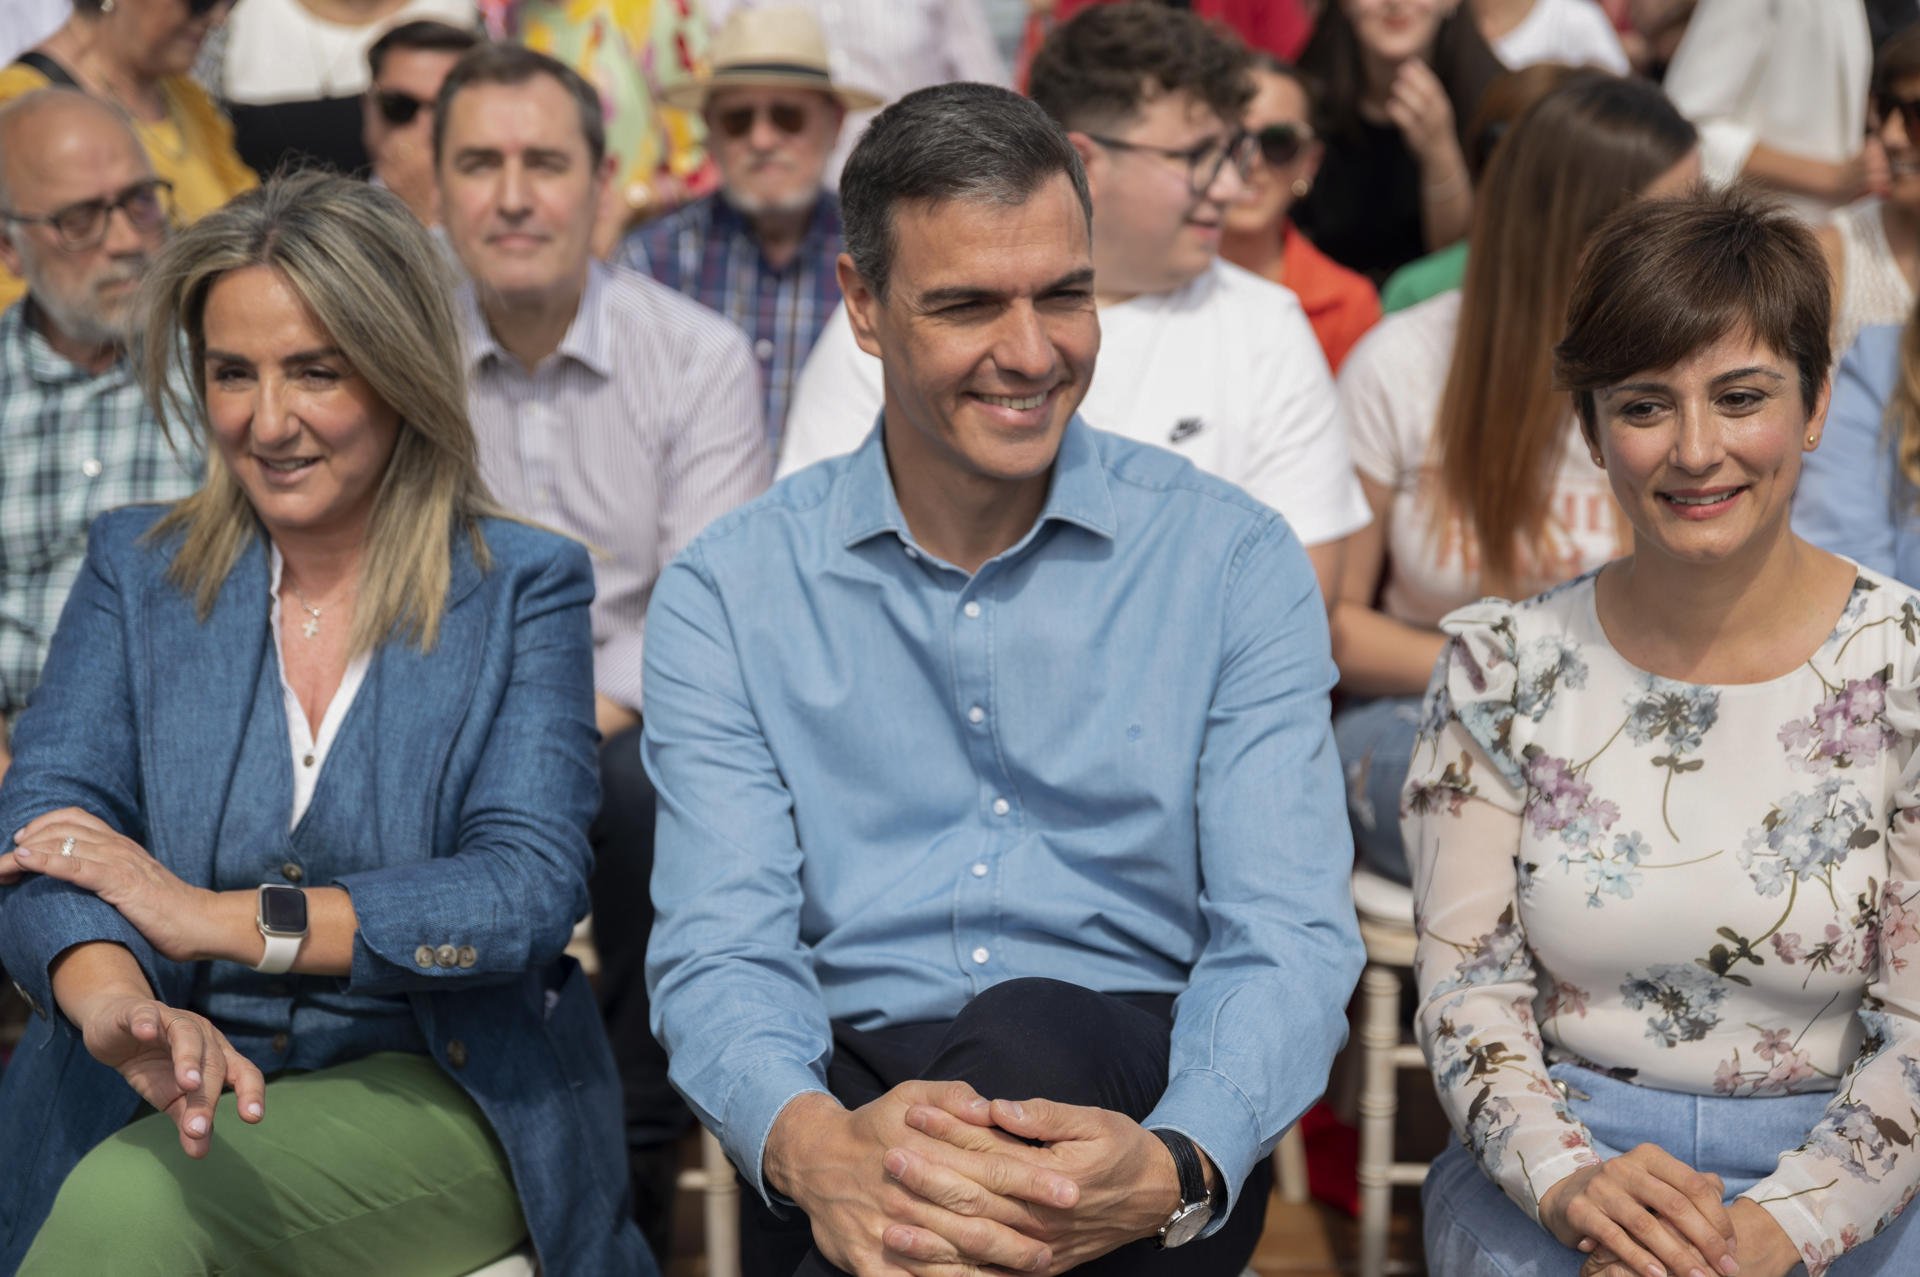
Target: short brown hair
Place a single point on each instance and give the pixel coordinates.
(511, 64)
(1665, 278)
(1108, 61)
(1898, 59)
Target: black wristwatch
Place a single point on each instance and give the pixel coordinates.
(1196, 1207)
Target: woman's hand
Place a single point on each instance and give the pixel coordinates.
(175, 1060)
(1418, 106)
(170, 913)
(1764, 1248)
(1648, 1209)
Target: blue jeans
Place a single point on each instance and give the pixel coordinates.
(1375, 739)
(1472, 1227)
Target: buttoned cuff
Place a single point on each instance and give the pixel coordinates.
(748, 1116)
(1210, 1110)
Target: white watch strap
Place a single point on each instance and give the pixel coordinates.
(281, 950)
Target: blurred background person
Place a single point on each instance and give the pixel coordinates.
(1400, 80)
(761, 249)
(406, 67)
(294, 73)
(1779, 93)
(1436, 393)
(25, 23)
(1257, 233)
(136, 54)
(891, 48)
(336, 671)
(1576, 32)
(1509, 97)
(1873, 247)
(81, 217)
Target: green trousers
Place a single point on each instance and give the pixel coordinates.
(378, 1168)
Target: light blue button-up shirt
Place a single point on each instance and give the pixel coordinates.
(886, 785)
(1852, 498)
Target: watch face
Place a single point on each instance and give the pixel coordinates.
(1186, 1224)
(283, 909)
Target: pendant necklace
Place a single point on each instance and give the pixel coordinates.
(311, 626)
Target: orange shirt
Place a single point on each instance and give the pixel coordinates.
(1340, 304)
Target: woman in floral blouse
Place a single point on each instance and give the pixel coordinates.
(1665, 819)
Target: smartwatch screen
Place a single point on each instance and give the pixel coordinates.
(283, 909)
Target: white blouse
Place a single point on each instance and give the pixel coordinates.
(309, 748)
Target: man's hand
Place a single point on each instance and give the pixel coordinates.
(1128, 1186)
(611, 717)
(836, 1165)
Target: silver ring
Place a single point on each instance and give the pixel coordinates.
(66, 845)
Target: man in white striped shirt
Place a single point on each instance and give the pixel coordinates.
(612, 408)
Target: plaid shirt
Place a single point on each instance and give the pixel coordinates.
(72, 444)
(707, 251)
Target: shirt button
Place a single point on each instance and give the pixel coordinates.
(280, 1042)
(972, 610)
(763, 349)
(446, 955)
(980, 957)
(912, 553)
(457, 1053)
(423, 956)
(306, 760)
(91, 467)
(979, 868)
(468, 955)
(1001, 806)
(292, 872)
(976, 715)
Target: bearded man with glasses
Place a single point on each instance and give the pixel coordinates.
(81, 215)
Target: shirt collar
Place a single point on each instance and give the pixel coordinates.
(1078, 493)
(588, 341)
(45, 365)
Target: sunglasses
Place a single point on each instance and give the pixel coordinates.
(1281, 144)
(198, 8)
(1886, 106)
(737, 121)
(148, 206)
(398, 109)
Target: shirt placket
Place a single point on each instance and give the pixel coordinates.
(539, 444)
(977, 921)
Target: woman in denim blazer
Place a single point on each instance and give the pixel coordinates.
(334, 669)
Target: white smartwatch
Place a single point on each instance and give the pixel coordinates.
(283, 925)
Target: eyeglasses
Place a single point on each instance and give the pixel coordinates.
(148, 206)
(1886, 106)
(737, 121)
(1203, 161)
(1281, 144)
(397, 108)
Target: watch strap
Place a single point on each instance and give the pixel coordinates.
(281, 951)
(1186, 1164)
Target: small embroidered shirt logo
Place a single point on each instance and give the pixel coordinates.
(1185, 428)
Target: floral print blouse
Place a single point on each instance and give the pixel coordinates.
(1704, 889)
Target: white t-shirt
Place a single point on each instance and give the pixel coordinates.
(1575, 32)
(1224, 371)
(1390, 388)
(278, 51)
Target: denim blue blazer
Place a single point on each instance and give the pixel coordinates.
(475, 779)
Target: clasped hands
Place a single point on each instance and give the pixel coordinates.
(1646, 1213)
(176, 1060)
(933, 1180)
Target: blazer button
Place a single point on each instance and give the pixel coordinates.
(446, 955)
(468, 955)
(423, 956)
(291, 872)
(281, 1042)
(457, 1053)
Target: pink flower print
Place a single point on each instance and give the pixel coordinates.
(1899, 926)
(1559, 802)
(1566, 999)
(1787, 945)
(1847, 729)
(1773, 1042)
(1727, 1078)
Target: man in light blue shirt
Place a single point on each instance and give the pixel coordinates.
(994, 761)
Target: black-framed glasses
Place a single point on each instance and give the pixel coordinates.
(1203, 160)
(1281, 144)
(398, 109)
(737, 121)
(148, 206)
(1886, 106)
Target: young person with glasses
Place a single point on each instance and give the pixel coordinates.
(136, 54)
(407, 66)
(1259, 235)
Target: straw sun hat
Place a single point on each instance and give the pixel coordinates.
(768, 48)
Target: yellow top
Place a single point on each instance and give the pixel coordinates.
(192, 148)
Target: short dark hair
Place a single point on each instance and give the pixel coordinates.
(1898, 59)
(950, 142)
(1664, 278)
(510, 64)
(423, 34)
(1108, 61)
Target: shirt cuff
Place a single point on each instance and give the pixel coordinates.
(747, 1118)
(1211, 1111)
(1795, 1215)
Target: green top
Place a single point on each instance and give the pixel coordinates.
(1429, 276)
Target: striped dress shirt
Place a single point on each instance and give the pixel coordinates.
(73, 443)
(632, 436)
(706, 250)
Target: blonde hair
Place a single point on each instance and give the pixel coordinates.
(379, 287)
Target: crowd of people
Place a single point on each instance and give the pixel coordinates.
(952, 582)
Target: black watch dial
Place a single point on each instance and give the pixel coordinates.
(283, 909)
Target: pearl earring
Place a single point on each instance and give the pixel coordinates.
(106, 7)
(1812, 440)
(1300, 188)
